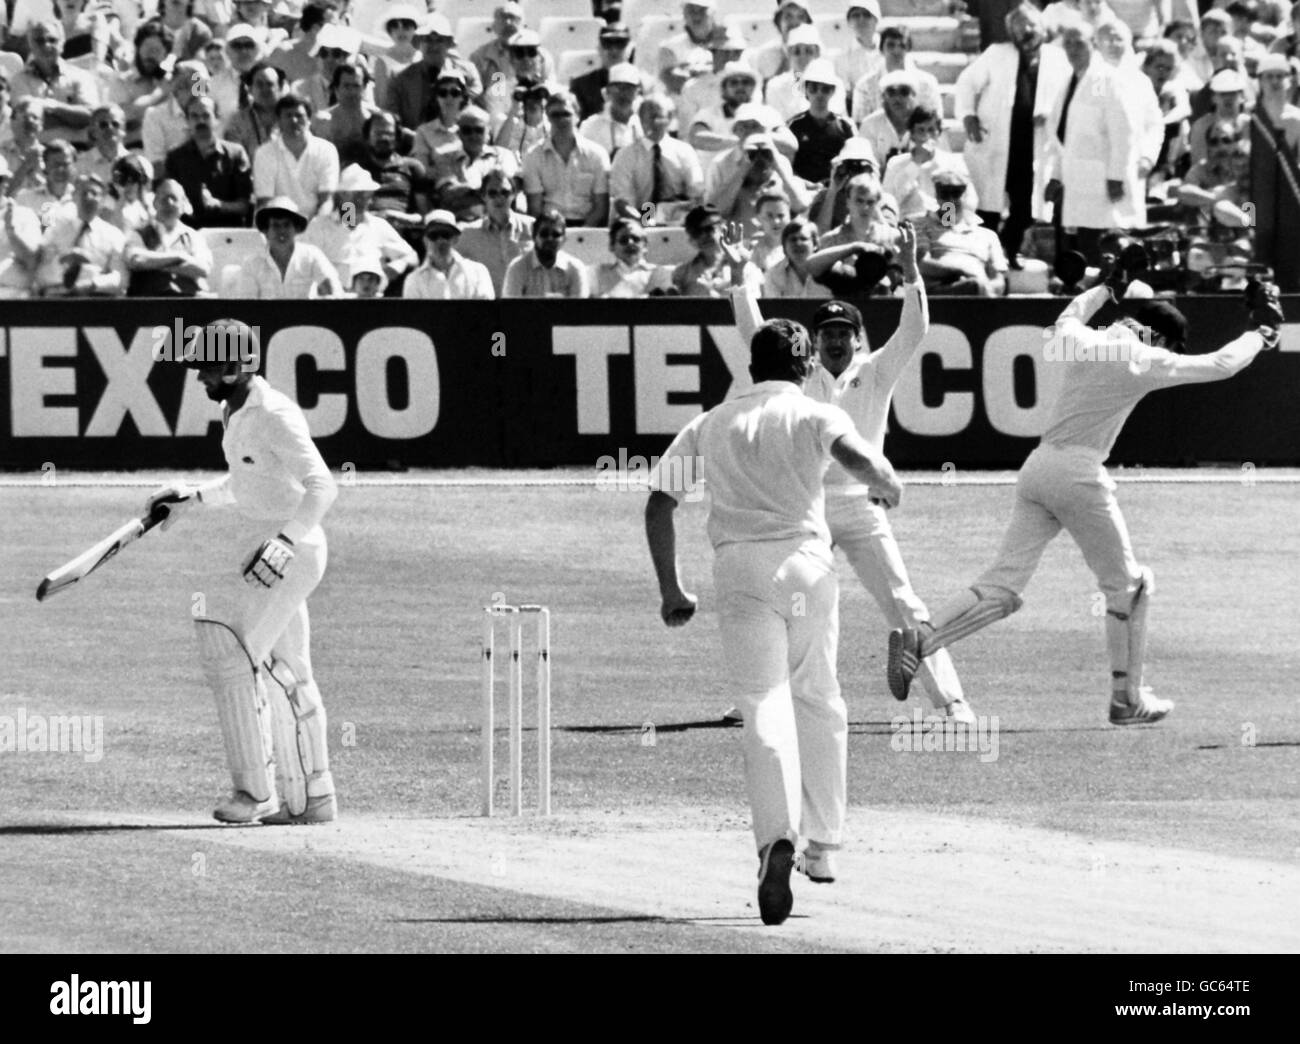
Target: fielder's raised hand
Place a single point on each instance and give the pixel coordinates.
(269, 562)
(907, 252)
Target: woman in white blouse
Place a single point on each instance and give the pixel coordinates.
(629, 274)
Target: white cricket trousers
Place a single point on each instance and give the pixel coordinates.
(861, 530)
(779, 617)
(1067, 487)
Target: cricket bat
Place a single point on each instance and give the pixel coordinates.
(92, 558)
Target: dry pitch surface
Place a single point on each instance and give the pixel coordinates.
(1179, 837)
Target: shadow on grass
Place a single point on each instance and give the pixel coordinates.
(38, 829)
(609, 919)
(618, 730)
(1233, 746)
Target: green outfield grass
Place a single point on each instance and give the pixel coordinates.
(395, 642)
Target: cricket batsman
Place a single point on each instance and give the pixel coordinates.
(862, 383)
(258, 660)
(763, 454)
(1064, 483)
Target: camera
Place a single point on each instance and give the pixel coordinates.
(531, 92)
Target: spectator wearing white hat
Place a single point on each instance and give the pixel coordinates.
(493, 60)
(726, 45)
(896, 47)
(886, 127)
(450, 96)
(501, 235)
(528, 65)
(20, 238)
(399, 22)
(1228, 91)
(411, 93)
(718, 129)
(744, 175)
(863, 57)
(686, 55)
(1275, 84)
(785, 92)
(829, 207)
(1115, 46)
(336, 45)
(618, 126)
(709, 130)
(656, 169)
(296, 164)
(287, 269)
(747, 120)
(350, 230)
(956, 254)
(257, 15)
(547, 270)
(368, 281)
(822, 129)
(446, 274)
(372, 17)
(566, 171)
(772, 58)
(243, 51)
(871, 218)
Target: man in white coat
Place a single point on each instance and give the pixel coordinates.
(1093, 148)
(1004, 98)
(1115, 46)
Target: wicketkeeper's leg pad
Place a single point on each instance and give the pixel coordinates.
(976, 609)
(300, 737)
(1126, 635)
(242, 710)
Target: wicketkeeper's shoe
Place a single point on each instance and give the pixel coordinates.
(1146, 710)
(775, 900)
(959, 712)
(904, 661)
(817, 863)
(323, 809)
(241, 807)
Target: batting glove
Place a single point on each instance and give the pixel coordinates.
(267, 566)
(173, 500)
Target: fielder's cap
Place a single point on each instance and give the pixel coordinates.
(755, 142)
(1273, 63)
(871, 7)
(1227, 81)
(739, 71)
(1162, 318)
(1217, 15)
(837, 313)
(280, 206)
(242, 31)
(403, 13)
(440, 219)
(435, 25)
(615, 32)
(803, 36)
(524, 38)
(355, 178)
(337, 37)
(856, 149)
(820, 70)
(899, 78)
(700, 218)
(624, 72)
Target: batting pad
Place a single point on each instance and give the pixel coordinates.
(298, 733)
(1126, 636)
(242, 710)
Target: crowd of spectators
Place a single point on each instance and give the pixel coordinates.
(378, 155)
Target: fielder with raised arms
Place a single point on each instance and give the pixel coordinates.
(861, 382)
(258, 662)
(1064, 483)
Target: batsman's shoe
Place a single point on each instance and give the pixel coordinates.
(1146, 710)
(904, 661)
(241, 807)
(817, 863)
(323, 809)
(775, 900)
(959, 712)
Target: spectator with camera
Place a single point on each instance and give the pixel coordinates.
(567, 172)
(737, 179)
(547, 270)
(496, 60)
(528, 64)
(656, 169)
(830, 206)
(713, 129)
(525, 126)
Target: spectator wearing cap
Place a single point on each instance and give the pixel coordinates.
(108, 143)
(287, 269)
(734, 164)
(336, 46)
(400, 23)
(54, 195)
(686, 55)
(909, 176)
(349, 230)
(372, 17)
(69, 94)
(1227, 56)
(402, 197)
(501, 235)
(589, 88)
(128, 204)
(566, 172)
(870, 218)
(710, 130)
(787, 92)
(164, 125)
(618, 126)
(297, 164)
(773, 58)
(1218, 188)
(20, 239)
(1275, 81)
(297, 58)
(821, 130)
(81, 254)
(886, 128)
(795, 274)
(343, 123)
(727, 46)
(711, 272)
(255, 123)
(411, 93)
(368, 282)
(494, 60)
(956, 254)
(656, 169)
(629, 273)
(145, 83)
(243, 51)
(446, 274)
(165, 257)
(462, 165)
(547, 270)
(862, 58)
(1160, 66)
(450, 97)
(1228, 90)
(896, 47)
(23, 152)
(216, 175)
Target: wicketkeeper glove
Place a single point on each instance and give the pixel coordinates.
(268, 564)
(1132, 262)
(1265, 310)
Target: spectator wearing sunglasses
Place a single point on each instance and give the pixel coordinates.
(459, 169)
(566, 172)
(386, 62)
(501, 235)
(411, 92)
(1218, 188)
(786, 92)
(108, 144)
(546, 270)
(446, 274)
(629, 273)
(495, 60)
(336, 46)
(440, 129)
(528, 64)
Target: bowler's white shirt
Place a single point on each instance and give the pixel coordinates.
(276, 472)
(763, 455)
(277, 172)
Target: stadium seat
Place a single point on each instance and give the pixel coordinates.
(949, 96)
(230, 246)
(930, 34)
(723, 8)
(650, 36)
(636, 11)
(668, 246)
(756, 29)
(588, 245)
(570, 34)
(223, 280)
(944, 67)
(472, 33)
(455, 10)
(536, 10)
(901, 9)
(1032, 278)
(10, 64)
(576, 63)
